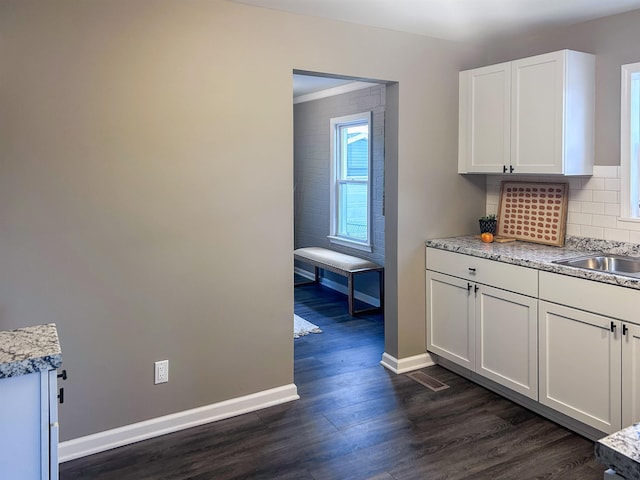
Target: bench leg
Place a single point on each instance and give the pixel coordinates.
(352, 309)
(351, 296)
(315, 281)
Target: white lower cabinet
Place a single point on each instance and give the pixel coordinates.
(630, 374)
(590, 369)
(580, 365)
(491, 331)
(29, 426)
(571, 344)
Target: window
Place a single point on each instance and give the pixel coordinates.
(630, 142)
(351, 181)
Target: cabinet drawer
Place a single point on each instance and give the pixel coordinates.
(497, 274)
(601, 298)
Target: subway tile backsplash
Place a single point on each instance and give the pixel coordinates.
(594, 204)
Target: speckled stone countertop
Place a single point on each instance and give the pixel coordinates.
(29, 350)
(621, 452)
(540, 257)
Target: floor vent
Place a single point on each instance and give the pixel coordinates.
(428, 381)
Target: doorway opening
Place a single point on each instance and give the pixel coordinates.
(320, 102)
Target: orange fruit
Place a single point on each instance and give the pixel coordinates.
(487, 237)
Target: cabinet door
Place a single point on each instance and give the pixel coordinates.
(630, 375)
(580, 365)
(450, 318)
(21, 426)
(485, 119)
(537, 90)
(507, 339)
(50, 438)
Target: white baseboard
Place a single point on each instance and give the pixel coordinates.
(338, 287)
(136, 432)
(303, 273)
(407, 364)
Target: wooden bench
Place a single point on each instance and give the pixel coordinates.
(342, 264)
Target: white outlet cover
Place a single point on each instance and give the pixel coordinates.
(161, 372)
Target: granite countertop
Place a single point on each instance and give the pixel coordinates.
(29, 350)
(540, 257)
(621, 451)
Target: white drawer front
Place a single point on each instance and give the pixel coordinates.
(601, 298)
(497, 274)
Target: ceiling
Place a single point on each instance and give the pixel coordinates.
(461, 20)
(305, 84)
(307, 87)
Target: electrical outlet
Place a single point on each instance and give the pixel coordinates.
(161, 372)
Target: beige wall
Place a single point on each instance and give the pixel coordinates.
(146, 190)
(614, 40)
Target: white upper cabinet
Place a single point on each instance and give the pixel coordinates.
(529, 116)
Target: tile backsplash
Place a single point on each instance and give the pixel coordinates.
(594, 204)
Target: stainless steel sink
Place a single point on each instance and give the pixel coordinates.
(620, 265)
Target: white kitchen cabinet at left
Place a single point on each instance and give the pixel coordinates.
(29, 420)
(29, 403)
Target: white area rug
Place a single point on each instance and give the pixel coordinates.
(302, 327)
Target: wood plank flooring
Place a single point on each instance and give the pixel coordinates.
(356, 420)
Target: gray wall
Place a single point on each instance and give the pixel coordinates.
(146, 190)
(311, 173)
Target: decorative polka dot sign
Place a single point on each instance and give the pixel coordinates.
(533, 212)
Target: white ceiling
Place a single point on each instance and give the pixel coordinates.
(454, 19)
(305, 84)
(307, 87)
(462, 20)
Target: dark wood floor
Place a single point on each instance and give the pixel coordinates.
(356, 420)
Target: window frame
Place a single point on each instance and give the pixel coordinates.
(334, 236)
(629, 121)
